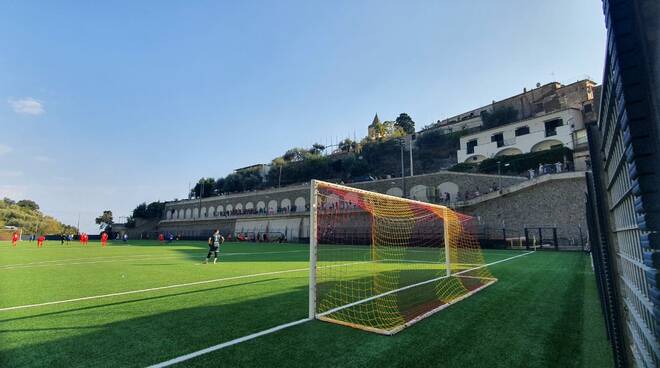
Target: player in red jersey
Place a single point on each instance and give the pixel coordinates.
(161, 237)
(14, 239)
(40, 241)
(104, 239)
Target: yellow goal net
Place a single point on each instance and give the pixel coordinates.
(382, 263)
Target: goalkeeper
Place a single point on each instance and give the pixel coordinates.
(214, 246)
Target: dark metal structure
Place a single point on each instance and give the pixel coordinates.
(623, 196)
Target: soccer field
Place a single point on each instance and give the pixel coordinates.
(144, 303)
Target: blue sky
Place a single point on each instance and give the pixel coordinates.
(107, 104)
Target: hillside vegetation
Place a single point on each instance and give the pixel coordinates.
(26, 215)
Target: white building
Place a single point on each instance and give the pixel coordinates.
(530, 135)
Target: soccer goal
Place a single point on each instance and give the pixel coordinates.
(381, 263)
(7, 233)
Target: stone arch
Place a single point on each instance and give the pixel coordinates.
(546, 145)
(418, 193)
(286, 204)
(475, 158)
(180, 214)
(229, 208)
(168, 215)
(220, 210)
(261, 205)
(239, 207)
(195, 212)
(211, 212)
(448, 187)
(395, 191)
(272, 205)
(249, 206)
(202, 213)
(188, 213)
(300, 204)
(509, 152)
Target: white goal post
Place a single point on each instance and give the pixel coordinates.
(381, 263)
(7, 233)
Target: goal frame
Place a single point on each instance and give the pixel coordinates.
(12, 231)
(313, 260)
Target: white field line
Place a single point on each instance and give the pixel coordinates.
(239, 340)
(228, 343)
(126, 258)
(333, 310)
(151, 289)
(72, 259)
(165, 287)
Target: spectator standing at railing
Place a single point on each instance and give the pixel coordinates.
(558, 166)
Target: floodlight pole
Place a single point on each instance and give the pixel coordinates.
(411, 154)
(313, 232)
(499, 173)
(403, 173)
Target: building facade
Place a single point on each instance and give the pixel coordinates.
(542, 100)
(530, 135)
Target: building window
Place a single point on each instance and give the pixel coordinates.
(499, 138)
(588, 108)
(522, 131)
(470, 146)
(551, 127)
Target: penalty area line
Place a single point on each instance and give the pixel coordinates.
(223, 345)
(151, 289)
(231, 278)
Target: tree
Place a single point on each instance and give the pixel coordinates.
(155, 210)
(8, 201)
(295, 154)
(140, 211)
(104, 220)
(499, 116)
(204, 188)
(150, 211)
(26, 203)
(316, 149)
(347, 145)
(406, 123)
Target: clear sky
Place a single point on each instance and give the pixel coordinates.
(106, 104)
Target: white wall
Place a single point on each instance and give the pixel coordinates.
(572, 120)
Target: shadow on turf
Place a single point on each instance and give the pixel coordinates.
(135, 300)
(149, 339)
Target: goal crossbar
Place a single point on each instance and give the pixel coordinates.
(392, 226)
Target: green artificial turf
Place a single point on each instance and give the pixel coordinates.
(543, 312)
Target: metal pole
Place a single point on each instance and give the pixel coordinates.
(403, 174)
(446, 235)
(312, 249)
(411, 155)
(499, 174)
(526, 239)
(279, 180)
